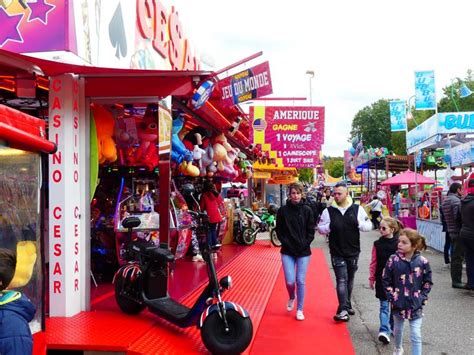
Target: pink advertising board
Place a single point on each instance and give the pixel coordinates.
(37, 26)
(246, 85)
(295, 134)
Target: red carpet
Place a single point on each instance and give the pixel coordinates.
(279, 331)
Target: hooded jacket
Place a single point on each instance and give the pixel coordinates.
(450, 208)
(16, 311)
(467, 217)
(295, 228)
(407, 284)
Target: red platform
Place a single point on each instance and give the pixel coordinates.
(253, 269)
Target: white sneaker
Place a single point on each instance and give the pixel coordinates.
(290, 305)
(198, 257)
(398, 351)
(384, 338)
(299, 315)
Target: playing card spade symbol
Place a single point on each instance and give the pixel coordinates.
(117, 33)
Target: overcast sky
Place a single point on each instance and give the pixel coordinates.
(360, 51)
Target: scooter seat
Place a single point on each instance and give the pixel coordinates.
(153, 252)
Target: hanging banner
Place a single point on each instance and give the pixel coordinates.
(292, 135)
(398, 118)
(246, 85)
(425, 93)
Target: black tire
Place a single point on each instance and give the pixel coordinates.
(235, 341)
(274, 238)
(238, 232)
(249, 236)
(128, 296)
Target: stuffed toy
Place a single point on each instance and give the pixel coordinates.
(25, 261)
(147, 152)
(178, 149)
(104, 122)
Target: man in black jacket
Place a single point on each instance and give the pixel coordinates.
(466, 235)
(450, 207)
(342, 221)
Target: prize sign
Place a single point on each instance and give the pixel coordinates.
(246, 85)
(292, 134)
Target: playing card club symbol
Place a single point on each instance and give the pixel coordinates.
(117, 33)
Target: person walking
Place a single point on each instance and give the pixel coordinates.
(397, 200)
(212, 202)
(295, 229)
(450, 208)
(385, 246)
(407, 282)
(375, 211)
(342, 221)
(466, 234)
(327, 198)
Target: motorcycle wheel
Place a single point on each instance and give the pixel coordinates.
(249, 236)
(274, 238)
(127, 295)
(238, 233)
(234, 341)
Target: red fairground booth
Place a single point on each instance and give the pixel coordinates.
(112, 130)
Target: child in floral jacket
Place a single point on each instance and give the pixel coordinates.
(407, 282)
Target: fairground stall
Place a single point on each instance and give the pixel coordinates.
(127, 139)
(23, 166)
(448, 134)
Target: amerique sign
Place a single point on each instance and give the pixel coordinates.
(295, 134)
(246, 85)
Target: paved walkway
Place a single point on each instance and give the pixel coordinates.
(448, 325)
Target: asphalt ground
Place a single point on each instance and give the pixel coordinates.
(448, 323)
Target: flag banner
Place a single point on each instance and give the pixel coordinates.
(398, 117)
(292, 135)
(425, 93)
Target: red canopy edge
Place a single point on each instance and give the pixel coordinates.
(408, 178)
(24, 140)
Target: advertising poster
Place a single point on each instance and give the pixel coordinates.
(292, 135)
(246, 85)
(398, 120)
(425, 94)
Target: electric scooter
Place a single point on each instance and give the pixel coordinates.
(226, 327)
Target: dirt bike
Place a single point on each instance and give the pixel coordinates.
(262, 221)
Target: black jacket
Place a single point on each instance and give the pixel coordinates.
(450, 207)
(466, 217)
(295, 229)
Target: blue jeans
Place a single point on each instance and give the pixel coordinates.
(295, 272)
(415, 333)
(344, 269)
(384, 315)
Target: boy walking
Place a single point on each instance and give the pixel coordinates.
(16, 311)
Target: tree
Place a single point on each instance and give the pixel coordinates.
(451, 92)
(306, 175)
(334, 166)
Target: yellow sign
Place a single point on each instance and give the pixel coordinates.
(261, 175)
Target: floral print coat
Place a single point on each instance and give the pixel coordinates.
(407, 284)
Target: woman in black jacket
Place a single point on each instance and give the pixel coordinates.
(295, 229)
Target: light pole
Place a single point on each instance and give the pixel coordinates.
(464, 91)
(310, 74)
(409, 115)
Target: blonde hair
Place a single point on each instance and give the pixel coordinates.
(417, 241)
(393, 223)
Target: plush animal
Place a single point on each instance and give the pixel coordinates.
(147, 152)
(104, 122)
(178, 149)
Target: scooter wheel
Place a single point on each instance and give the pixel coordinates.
(127, 295)
(274, 238)
(249, 236)
(234, 341)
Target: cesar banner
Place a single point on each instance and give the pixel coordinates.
(292, 135)
(246, 85)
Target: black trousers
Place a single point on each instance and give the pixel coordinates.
(344, 269)
(375, 218)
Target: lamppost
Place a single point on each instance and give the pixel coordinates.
(310, 74)
(464, 91)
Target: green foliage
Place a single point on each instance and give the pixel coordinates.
(306, 175)
(451, 92)
(334, 166)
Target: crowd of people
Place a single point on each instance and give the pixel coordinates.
(399, 274)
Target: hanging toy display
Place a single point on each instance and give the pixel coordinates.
(202, 93)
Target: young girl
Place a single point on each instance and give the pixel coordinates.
(407, 282)
(385, 246)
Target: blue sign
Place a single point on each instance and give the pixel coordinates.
(425, 93)
(398, 118)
